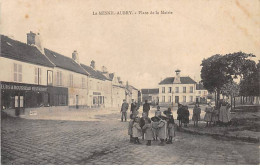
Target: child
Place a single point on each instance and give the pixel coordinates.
(171, 130)
(155, 127)
(162, 131)
(130, 128)
(158, 112)
(148, 131)
(142, 123)
(137, 130)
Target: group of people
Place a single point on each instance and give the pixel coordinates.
(159, 126)
(217, 115)
(183, 115)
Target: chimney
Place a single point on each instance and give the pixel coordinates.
(104, 69)
(34, 40)
(177, 78)
(93, 64)
(75, 56)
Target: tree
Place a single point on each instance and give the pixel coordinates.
(250, 84)
(218, 71)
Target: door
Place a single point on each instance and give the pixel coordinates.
(19, 105)
(177, 99)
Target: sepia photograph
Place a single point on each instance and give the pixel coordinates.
(136, 82)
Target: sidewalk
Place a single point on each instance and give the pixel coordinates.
(87, 114)
(244, 126)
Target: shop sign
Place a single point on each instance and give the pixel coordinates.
(22, 87)
(96, 93)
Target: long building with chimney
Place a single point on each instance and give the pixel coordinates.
(34, 78)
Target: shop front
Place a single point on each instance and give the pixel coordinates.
(19, 96)
(98, 99)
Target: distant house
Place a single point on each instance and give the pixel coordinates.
(201, 93)
(151, 95)
(174, 90)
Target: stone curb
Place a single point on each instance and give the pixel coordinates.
(231, 137)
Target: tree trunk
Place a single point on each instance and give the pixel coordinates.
(231, 101)
(234, 102)
(218, 94)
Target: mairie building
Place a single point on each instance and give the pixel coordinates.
(180, 89)
(34, 79)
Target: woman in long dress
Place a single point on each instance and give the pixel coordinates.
(208, 115)
(224, 113)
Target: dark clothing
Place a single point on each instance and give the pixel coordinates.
(146, 107)
(133, 107)
(124, 114)
(185, 117)
(180, 113)
(124, 107)
(142, 122)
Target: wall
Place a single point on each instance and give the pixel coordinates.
(7, 71)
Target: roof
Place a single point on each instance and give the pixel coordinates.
(184, 80)
(22, 52)
(64, 62)
(133, 87)
(150, 91)
(200, 87)
(93, 73)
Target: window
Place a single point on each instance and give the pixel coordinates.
(184, 98)
(37, 75)
(191, 89)
(205, 92)
(199, 92)
(59, 78)
(163, 89)
(169, 89)
(176, 89)
(163, 98)
(169, 99)
(18, 72)
(83, 82)
(184, 89)
(71, 80)
(191, 98)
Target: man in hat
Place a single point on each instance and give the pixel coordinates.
(124, 109)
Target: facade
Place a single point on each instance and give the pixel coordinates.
(201, 93)
(32, 76)
(151, 95)
(174, 90)
(27, 78)
(69, 74)
(99, 87)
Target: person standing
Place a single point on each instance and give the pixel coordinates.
(133, 106)
(186, 115)
(162, 131)
(208, 115)
(158, 112)
(180, 114)
(124, 109)
(148, 131)
(146, 108)
(224, 113)
(196, 115)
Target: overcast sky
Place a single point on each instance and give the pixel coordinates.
(142, 49)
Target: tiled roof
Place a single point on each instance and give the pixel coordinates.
(93, 73)
(64, 62)
(200, 87)
(184, 80)
(22, 52)
(150, 91)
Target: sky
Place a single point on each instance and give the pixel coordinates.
(141, 49)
